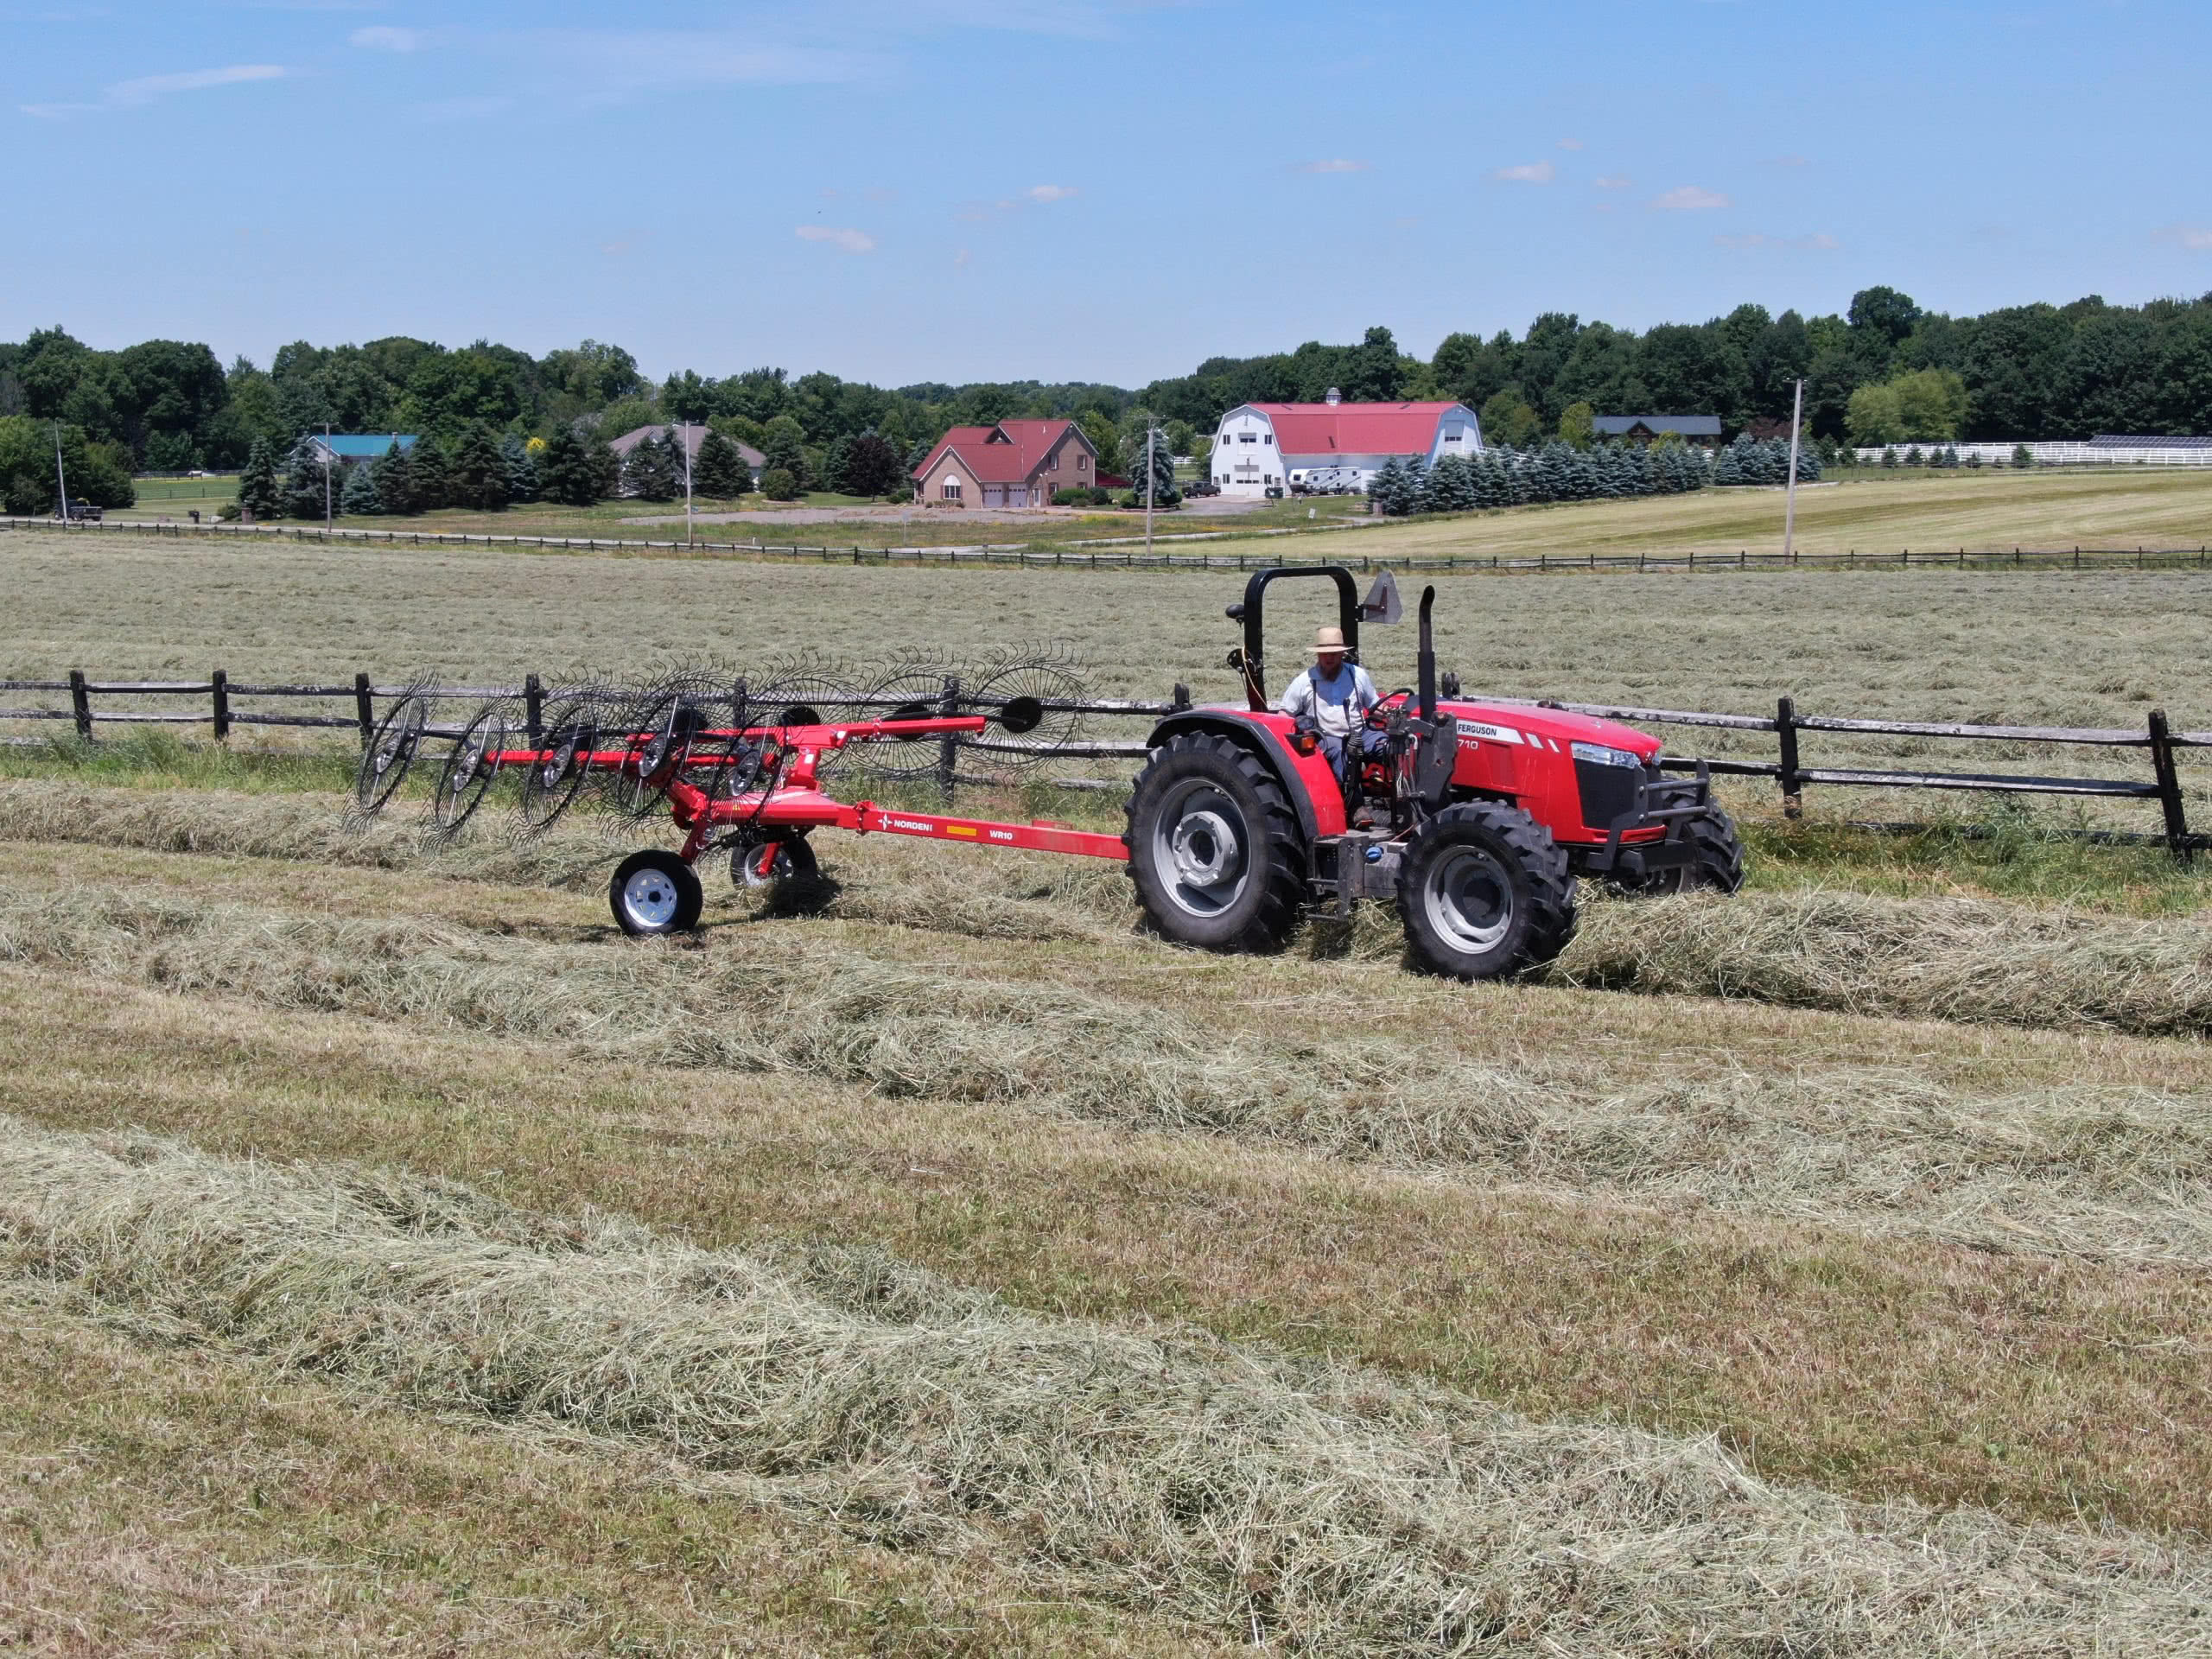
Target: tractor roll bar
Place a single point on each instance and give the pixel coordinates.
(1248, 611)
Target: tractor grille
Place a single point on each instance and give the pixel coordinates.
(1608, 792)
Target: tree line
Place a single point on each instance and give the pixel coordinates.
(1885, 371)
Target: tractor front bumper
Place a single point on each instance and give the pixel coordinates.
(1660, 802)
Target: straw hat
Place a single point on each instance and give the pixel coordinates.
(1326, 639)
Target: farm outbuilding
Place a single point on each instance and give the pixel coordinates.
(1702, 429)
(1262, 447)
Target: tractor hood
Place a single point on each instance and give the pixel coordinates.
(1522, 722)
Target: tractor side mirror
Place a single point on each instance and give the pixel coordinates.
(1235, 612)
(1381, 604)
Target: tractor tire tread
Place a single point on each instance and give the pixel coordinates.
(1553, 917)
(1276, 918)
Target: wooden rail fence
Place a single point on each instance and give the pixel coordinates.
(1103, 557)
(2161, 744)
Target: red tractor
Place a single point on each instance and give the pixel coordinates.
(1475, 819)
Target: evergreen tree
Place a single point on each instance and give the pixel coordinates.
(2022, 456)
(1386, 487)
(1164, 494)
(1728, 467)
(521, 467)
(784, 445)
(1552, 480)
(836, 467)
(479, 478)
(874, 468)
(1451, 486)
(652, 471)
(1914, 458)
(305, 482)
(1890, 457)
(719, 471)
(259, 494)
(394, 480)
(426, 473)
(1974, 460)
(358, 499)
(1809, 464)
(567, 472)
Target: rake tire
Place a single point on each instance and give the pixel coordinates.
(655, 892)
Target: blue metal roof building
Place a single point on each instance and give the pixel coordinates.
(343, 447)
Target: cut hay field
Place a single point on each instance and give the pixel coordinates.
(1871, 510)
(395, 1256)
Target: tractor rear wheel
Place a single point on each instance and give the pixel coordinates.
(1213, 847)
(1718, 867)
(655, 892)
(1484, 891)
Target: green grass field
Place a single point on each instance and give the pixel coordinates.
(398, 1256)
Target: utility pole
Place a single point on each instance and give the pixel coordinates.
(683, 437)
(1148, 486)
(1789, 512)
(326, 526)
(60, 478)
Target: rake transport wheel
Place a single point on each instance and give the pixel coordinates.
(1718, 865)
(391, 753)
(1484, 891)
(1213, 847)
(471, 768)
(655, 892)
(778, 864)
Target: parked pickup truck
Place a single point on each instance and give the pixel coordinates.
(84, 511)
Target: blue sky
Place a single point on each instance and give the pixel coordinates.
(994, 189)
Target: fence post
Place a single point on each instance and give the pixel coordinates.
(81, 703)
(365, 709)
(948, 748)
(2161, 767)
(1785, 728)
(533, 708)
(221, 682)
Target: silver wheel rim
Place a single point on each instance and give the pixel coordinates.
(1469, 899)
(750, 864)
(649, 897)
(1200, 847)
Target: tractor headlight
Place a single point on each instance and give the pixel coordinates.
(1599, 755)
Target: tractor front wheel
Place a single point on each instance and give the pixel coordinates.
(1484, 891)
(1213, 847)
(1717, 866)
(655, 892)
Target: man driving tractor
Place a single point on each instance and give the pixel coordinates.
(1333, 696)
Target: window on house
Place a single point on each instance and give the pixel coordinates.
(952, 489)
(1267, 437)
(1081, 462)
(1247, 437)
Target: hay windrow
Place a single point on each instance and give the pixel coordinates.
(1318, 1510)
(1919, 959)
(2109, 1173)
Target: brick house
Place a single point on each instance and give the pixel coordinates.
(1013, 464)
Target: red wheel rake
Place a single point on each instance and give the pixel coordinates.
(735, 771)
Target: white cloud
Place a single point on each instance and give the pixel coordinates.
(1338, 164)
(1572, 143)
(845, 241)
(618, 64)
(1819, 243)
(1533, 173)
(1691, 199)
(1614, 181)
(381, 37)
(2195, 238)
(1050, 192)
(146, 89)
(962, 257)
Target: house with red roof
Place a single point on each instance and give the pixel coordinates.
(1013, 464)
(1333, 444)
